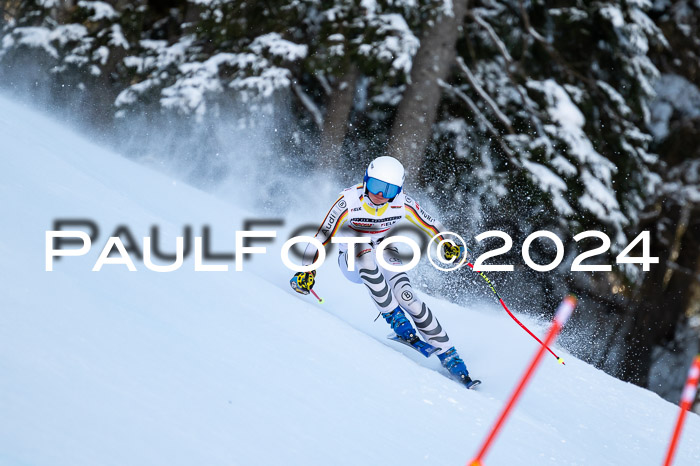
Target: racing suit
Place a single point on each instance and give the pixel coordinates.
(353, 214)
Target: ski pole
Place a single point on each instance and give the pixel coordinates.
(687, 399)
(320, 300)
(559, 360)
(566, 307)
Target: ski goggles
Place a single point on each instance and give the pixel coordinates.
(388, 190)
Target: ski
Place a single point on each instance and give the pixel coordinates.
(471, 384)
(426, 349)
(468, 383)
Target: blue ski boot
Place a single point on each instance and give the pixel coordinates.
(406, 334)
(455, 366)
(400, 324)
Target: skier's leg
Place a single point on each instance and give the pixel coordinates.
(353, 276)
(427, 324)
(372, 277)
(425, 321)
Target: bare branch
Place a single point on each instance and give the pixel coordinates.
(478, 15)
(324, 83)
(553, 51)
(487, 98)
(492, 34)
(484, 121)
(309, 105)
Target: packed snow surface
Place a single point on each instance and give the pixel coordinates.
(182, 368)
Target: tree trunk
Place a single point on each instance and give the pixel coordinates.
(418, 108)
(666, 292)
(335, 125)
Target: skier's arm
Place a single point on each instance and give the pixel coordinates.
(335, 218)
(302, 282)
(432, 227)
(423, 220)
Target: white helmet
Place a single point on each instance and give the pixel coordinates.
(385, 175)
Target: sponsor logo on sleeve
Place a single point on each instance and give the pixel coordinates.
(328, 226)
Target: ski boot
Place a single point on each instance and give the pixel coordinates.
(451, 361)
(400, 325)
(406, 334)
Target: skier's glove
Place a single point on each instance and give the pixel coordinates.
(302, 282)
(453, 251)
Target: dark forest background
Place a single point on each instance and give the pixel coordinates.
(512, 115)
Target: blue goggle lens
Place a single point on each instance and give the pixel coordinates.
(388, 190)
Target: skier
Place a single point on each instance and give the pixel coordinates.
(371, 209)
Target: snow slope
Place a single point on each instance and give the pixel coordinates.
(182, 368)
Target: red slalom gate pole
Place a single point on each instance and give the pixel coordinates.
(566, 307)
(687, 398)
(500, 300)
